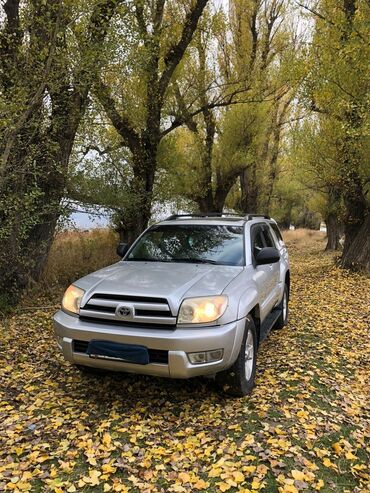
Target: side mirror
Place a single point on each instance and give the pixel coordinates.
(268, 255)
(122, 249)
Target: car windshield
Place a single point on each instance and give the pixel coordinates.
(213, 244)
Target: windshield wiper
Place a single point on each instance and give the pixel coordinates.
(187, 260)
(195, 261)
(140, 259)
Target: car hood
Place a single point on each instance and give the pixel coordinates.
(174, 281)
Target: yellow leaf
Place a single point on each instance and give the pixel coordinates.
(289, 488)
(328, 463)
(262, 470)
(255, 484)
(72, 489)
(215, 472)
(107, 439)
(337, 448)
(223, 486)
(238, 476)
(120, 487)
(201, 484)
(107, 487)
(177, 488)
(107, 469)
(184, 477)
(350, 456)
(319, 484)
(298, 475)
(93, 478)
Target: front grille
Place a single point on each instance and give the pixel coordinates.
(126, 297)
(159, 356)
(128, 310)
(151, 313)
(122, 323)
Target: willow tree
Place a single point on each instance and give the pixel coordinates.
(49, 54)
(133, 90)
(337, 89)
(232, 100)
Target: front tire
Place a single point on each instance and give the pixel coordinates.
(238, 380)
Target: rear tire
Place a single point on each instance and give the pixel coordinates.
(283, 306)
(238, 380)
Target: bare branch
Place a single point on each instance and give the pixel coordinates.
(228, 101)
(175, 54)
(120, 122)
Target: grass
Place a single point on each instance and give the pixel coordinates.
(76, 253)
(304, 428)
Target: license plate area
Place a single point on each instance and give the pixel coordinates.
(108, 350)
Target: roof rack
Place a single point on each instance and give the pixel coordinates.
(247, 217)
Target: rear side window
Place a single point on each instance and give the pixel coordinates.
(277, 232)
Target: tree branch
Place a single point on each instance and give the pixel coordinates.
(10, 39)
(12, 132)
(120, 122)
(227, 101)
(175, 54)
(329, 21)
(96, 32)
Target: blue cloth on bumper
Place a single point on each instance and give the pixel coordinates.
(131, 353)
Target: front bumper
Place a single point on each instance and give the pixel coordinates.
(178, 342)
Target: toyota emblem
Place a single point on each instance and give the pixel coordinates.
(123, 311)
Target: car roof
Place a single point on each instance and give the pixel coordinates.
(215, 220)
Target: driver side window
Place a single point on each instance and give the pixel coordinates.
(258, 241)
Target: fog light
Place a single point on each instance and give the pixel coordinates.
(205, 356)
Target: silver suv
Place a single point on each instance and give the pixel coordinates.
(194, 295)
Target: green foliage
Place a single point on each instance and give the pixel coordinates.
(336, 141)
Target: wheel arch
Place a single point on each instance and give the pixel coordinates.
(287, 280)
(256, 316)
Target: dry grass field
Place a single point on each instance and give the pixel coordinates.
(76, 253)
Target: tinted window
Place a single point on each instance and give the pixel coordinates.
(268, 237)
(277, 232)
(257, 240)
(213, 244)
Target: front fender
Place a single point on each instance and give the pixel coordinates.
(247, 302)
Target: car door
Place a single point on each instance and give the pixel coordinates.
(264, 275)
(274, 268)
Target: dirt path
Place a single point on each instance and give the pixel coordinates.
(303, 429)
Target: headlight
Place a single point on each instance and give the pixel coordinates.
(202, 310)
(72, 299)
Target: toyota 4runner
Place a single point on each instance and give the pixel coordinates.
(194, 295)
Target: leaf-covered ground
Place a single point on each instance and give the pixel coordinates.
(303, 429)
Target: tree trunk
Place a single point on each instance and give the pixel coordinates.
(332, 231)
(34, 184)
(249, 189)
(357, 254)
(356, 208)
(137, 214)
(35, 156)
(356, 223)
